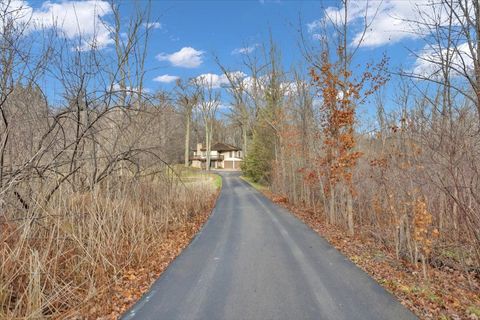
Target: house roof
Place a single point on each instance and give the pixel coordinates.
(222, 147)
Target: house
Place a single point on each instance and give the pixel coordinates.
(222, 156)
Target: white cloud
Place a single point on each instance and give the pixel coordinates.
(394, 21)
(391, 21)
(187, 57)
(129, 90)
(428, 62)
(217, 81)
(166, 78)
(314, 25)
(251, 84)
(15, 10)
(76, 20)
(245, 50)
(153, 25)
(73, 19)
(290, 88)
(224, 107)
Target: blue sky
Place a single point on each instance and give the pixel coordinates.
(223, 28)
(188, 33)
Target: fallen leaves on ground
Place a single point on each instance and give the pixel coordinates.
(447, 294)
(133, 283)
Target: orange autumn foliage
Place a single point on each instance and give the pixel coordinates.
(341, 93)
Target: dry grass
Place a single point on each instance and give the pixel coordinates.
(64, 258)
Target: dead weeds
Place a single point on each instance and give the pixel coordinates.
(447, 294)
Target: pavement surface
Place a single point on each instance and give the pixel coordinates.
(255, 260)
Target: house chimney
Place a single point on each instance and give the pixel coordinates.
(199, 148)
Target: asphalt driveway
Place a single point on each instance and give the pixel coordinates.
(254, 260)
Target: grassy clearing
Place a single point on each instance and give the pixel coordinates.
(256, 185)
(195, 175)
(217, 181)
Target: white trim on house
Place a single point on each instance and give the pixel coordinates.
(231, 159)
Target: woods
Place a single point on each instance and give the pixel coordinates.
(87, 189)
(94, 159)
(411, 180)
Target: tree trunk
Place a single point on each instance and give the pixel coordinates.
(207, 145)
(187, 139)
(331, 211)
(350, 213)
(244, 134)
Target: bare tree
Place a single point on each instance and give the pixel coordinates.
(187, 97)
(240, 109)
(208, 106)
